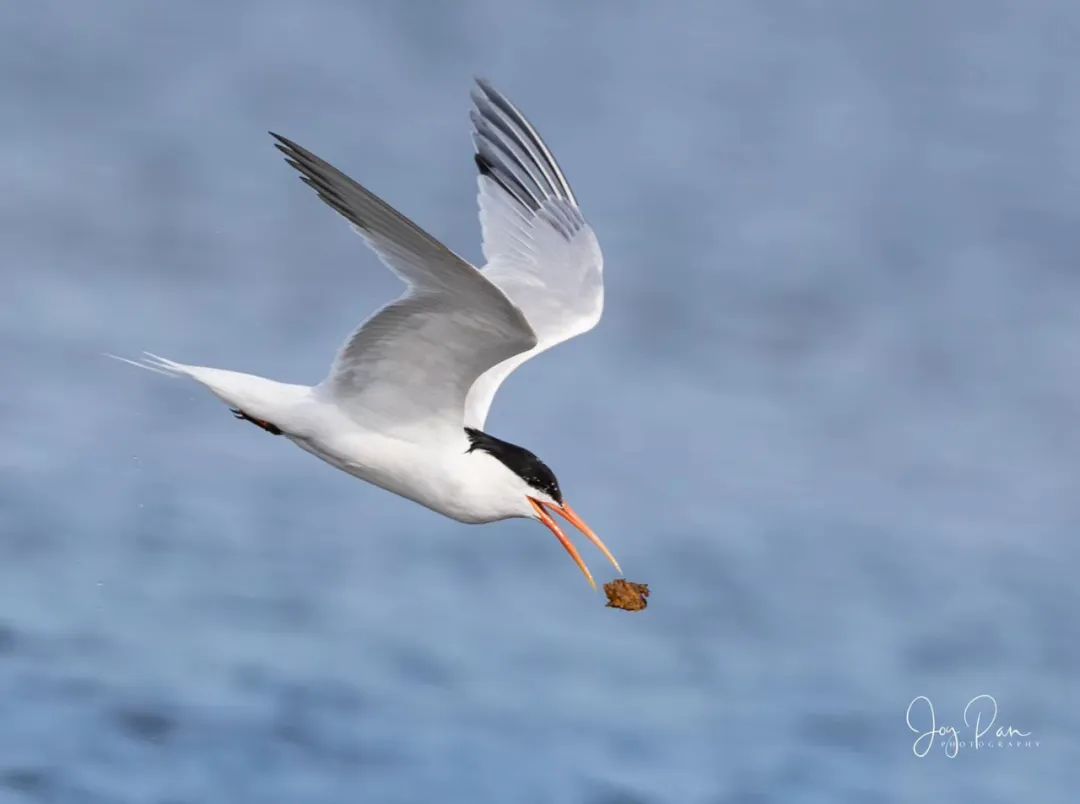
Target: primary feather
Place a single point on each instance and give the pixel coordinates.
(540, 251)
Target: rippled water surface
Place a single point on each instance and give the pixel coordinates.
(830, 415)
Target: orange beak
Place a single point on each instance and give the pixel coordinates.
(570, 516)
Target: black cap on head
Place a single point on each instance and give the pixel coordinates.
(518, 460)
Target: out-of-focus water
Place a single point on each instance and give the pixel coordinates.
(830, 416)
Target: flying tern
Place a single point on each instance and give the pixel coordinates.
(404, 404)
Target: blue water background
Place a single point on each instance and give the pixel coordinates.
(831, 414)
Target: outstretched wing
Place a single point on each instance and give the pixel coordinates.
(412, 364)
(540, 251)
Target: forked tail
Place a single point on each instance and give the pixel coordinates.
(156, 363)
(258, 399)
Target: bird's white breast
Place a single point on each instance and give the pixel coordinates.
(429, 465)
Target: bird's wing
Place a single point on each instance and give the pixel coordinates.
(412, 363)
(539, 249)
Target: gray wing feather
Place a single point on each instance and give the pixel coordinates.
(414, 360)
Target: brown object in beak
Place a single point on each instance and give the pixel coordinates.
(626, 595)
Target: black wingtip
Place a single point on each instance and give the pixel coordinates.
(284, 144)
(483, 91)
(487, 87)
(483, 165)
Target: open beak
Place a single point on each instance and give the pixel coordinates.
(570, 516)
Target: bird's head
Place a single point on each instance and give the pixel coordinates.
(536, 491)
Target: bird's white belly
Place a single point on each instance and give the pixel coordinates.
(429, 474)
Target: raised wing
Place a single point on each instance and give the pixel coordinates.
(539, 249)
(412, 363)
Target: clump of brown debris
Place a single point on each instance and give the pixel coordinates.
(626, 595)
